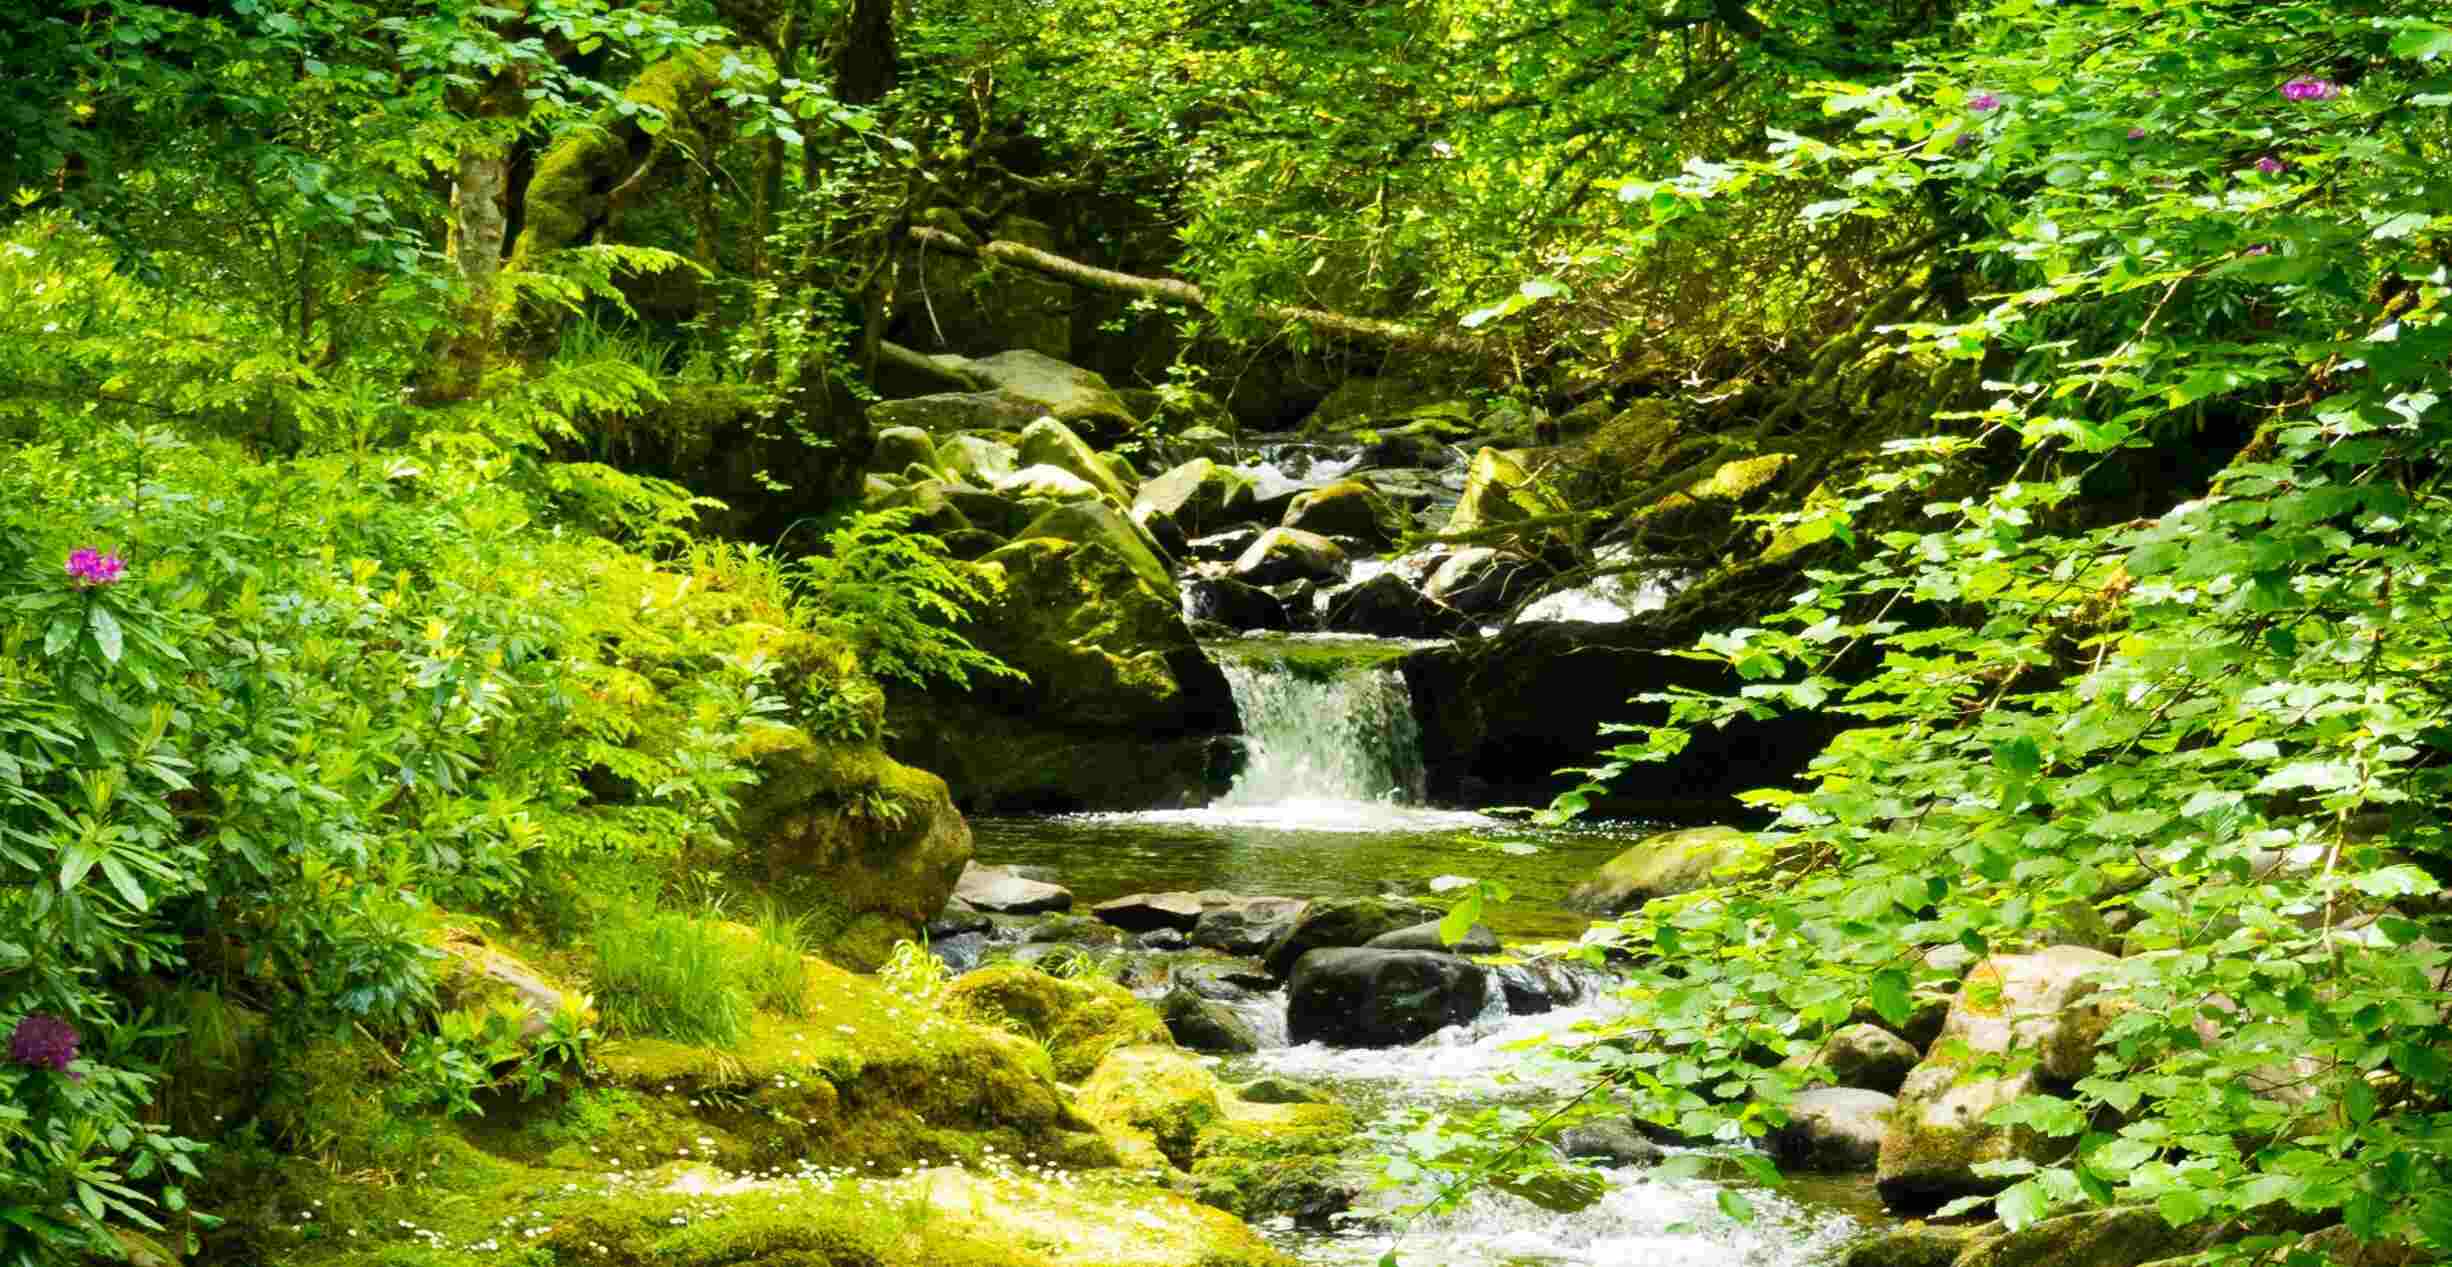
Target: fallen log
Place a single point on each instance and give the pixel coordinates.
(1170, 290)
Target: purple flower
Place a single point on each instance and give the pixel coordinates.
(44, 1042)
(1964, 140)
(2310, 90)
(91, 567)
(1983, 101)
(2259, 249)
(2270, 165)
(2136, 134)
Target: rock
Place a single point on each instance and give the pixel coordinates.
(1478, 940)
(1347, 508)
(1078, 1021)
(1660, 866)
(1232, 603)
(1141, 912)
(977, 460)
(1048, 442)
(1302, 601)
(2123, 1236)
(1499, 490)
(903, 372)
(1200, 496)
(1422, 442)
(867, 879)
(949, 412)
(1610, 1143)
(1248, 926)
(1273, 1090)
(1205, 1024)
(933, 510)
(1478, 579)
(1537, 985)
(1163, 939)
(997, 889)
(1341, 921)
(1865, 1057)
(1100, 523)
(1220, 547)
(957, 918)
(1102, 639)
(1832, 1128)
(898, 447)
(960, 952)
(1914, 1245)
(1288, 554)
(1175, 411)
(1079, 399)
(2035, 1004)
(875, 489)
(1388, 607)
(1350, 997)
(1367, 401)
(1050, 483)
(1072, 930)
(1157, 1091)
(1215, 443)
(473, 973)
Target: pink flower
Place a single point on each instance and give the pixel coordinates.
(2310, 90)
(44, 1042)
(2270, 165)
(1983, 101)
(90, 568)
(2136, 134)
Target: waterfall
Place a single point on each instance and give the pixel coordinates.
(1324, 730)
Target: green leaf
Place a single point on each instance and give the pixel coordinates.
(2181, 1206)
(1891, 996)
(1460, 918)
(106, 632)
(124, 880)
(2422, 41)
(2022, 1204)
(1733, 1204)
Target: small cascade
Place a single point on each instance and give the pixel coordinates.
(1324, 732)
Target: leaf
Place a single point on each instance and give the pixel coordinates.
(1733, 1204)
(106, 632)
(124, 880)
(2423, 41)
(1890, 995)
(2022, 1204)
(2181, 1206)
(1460, 920)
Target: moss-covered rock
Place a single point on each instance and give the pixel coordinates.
(900, 447)
(1347, 921)
(1289, 554)
(998, 757)
(2124, 1236)
(1160, 1092)
(1914, 1244)
(1201, 496)
(472, 973)
(1864, 1056)
(1045, 483)
(1048, 442)
(945, 413)
(1367, 401)
(1264, 1160)
(1076, 397)
(1100, 523)
(1077, 1021)
(1348, 508)
(1669, 863)
(735, 442)
(1104, 643)
(977, 460)
(1499, 489)
(570, 195)
(869, 846)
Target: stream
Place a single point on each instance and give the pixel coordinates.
(1330, 805)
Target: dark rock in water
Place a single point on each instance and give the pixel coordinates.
(1001, 889)
(1537, 986)
(1221, 547)
(957, 918)
(1350, 997)
(1302, 604)
(1222, 979)
(1274, 1090)
(1347, 508)
(1662, 866)
(960, 952)
(1832, 1128)
(1342, 921)
(1074, 930)
(1478, 940)
(1866, 1057)
(1478, 579)
(1200, 496)
(1248, 926)
(1141, 912)
(1385, 605)
(1235, 604)
(1289, 554)
(1205, 1024)
(1610, 1143)
(1163, 939)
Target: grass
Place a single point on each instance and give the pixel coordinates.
(775, 968)
(670, 976)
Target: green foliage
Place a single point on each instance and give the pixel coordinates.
(667, 975)
(897, 594)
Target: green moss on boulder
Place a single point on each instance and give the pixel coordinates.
(1669, 863)
(1078, 1022)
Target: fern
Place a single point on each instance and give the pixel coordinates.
(897, 595)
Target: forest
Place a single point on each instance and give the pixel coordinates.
(1202, 633)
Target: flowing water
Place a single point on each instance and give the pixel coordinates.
(1329, 805)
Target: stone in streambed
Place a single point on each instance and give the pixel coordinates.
(1478, 579)
(1078, 398)
(1387, 606)
(1351, 997)
(1661, 866)
(1141, 912)
(1203, 1024)
(1343, 921)
(1865, 1057)
(1200, 496)
(1347, 508)
(1248, 926)
(1833, 1128)
(1478, 940)
(1289, 554)
(1609, 1143)
(1048, 442)
(997, 889)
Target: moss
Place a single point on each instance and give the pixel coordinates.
(1158, 1091)
(570, 192)
(1078, 1022)
(1264, 1160)
(1662, 865)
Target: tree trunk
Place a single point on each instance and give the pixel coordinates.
(864, 69)
(478, 222)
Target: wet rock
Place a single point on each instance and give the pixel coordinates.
(2123, 1236)
(2039, 1004)
(977, 459)
(1141, 912)
(1347, 508)
(1072, 930)
(1221, 547)
(932, 506)
(1660, 866)
(1478, 940)
(1479, 579)
(1537, 986)
(1248, 926)
(1609, 1143)
(947, 412)
(1351, 997)
(1099, 523)
(998, 889)
(1159, 1091)
(1384, 400)
(1204, 1024)
(1076, 397)
(1234, 604)
(1865, 1057)
(1832, 1128)
(1163, 939)
(1301, 600)
(1201, 496)
(1498, 490)
(1345, 921)
(957, 918)
(960, 952)
(1222, 979)
(1289, 554)
(1388, 607)
(1273, 1090)
(1214, 443)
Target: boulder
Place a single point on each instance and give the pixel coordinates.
(977, 460)
(473, 973)
(1215, 443)
(1079, 399)
(1660, 866)
(984, 888)
(1163, 939)
(1832, 1128)
(1047, 483)
(1499, 490)
(1338, 921)
(1248, 926)
(1347, 508)
(1865, 1057)
(1232, 603)
(1478, 940)
(2122, 1236)
(1289, 554)
(1072, 930)
(958, 917)
(1914, 1245)
(1201, 496)
(1203, 1024)
(2037, 1005)
(1141, 912)
(947, 412)
(1274, 1090)
(1099, 523)
(1369, 401)
(1479, 578)
(1078, 1021)
(960, 952)
(933, 511)
(1174, 410)
(1534, 986)
(1048, 442)
(1609, 1143)
(1351, 997)
(1388, 607)
(899, 447)
(1155, 1091)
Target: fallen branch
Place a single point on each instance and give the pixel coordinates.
(1169, 290)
